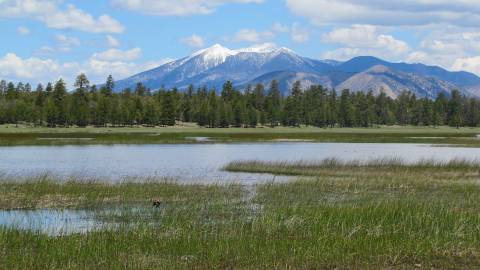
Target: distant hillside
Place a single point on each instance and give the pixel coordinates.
(213, 66)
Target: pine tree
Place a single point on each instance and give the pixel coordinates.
(79, 109)
(3, 88)
(40, 100)
(212, 107)
(59, 97)
(293, 108)
(332, 110)
(455, 109)
(107, 90)
(228, 91)
(49, 89)
(168, 110)
(273, 103)
(346, 111)
(11, 92)
(151, 113)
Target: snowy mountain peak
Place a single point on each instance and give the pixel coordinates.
(262, 63)
(285, 50)
(215, 52)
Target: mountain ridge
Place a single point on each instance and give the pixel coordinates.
(212, 66)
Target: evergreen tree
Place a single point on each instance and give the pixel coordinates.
(107, 90)
(213, 109)
(455, 109)
(79, 108)
(346, 110)
(11, 92)
(228, 91)
(59, 97)
(273, 103)
(168, 110)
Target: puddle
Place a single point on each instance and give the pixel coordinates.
(200, 139)
(58, 222)
(51, 222)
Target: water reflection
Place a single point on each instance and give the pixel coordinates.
(50, 221)
(199, 162)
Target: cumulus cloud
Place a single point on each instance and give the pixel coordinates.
(13, 66)
(50, 13)
(194, 41)
(471, 64)
(395, 12)
(35, 70)
(364, 40)
(176, 7)
(448, 46)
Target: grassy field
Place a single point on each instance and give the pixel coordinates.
(374, 215)
(11, 135)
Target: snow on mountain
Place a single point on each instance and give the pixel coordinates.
(211, 57)
(262, 63)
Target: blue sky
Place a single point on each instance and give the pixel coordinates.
(43, 40)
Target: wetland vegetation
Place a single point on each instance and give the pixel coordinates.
(11, 135)
(372, 214)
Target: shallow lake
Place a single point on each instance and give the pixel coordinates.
(200, 163)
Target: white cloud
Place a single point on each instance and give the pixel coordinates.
(364, 40)
(35, 70)
(13, 66)
(22, 30)
(471, 64)
(448, 46)
(194, 41)
(176, 7)
(395, 12)
(118, 55)
(112, 42)
(49, 12)
(299, 34)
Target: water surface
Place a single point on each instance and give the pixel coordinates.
(199, 162)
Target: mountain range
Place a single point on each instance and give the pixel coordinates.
(213, 66)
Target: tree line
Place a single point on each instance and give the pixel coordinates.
(53, 106)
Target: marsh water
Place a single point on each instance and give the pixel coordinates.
(198, 163)
(189, 163)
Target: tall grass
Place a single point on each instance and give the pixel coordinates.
(46, 191)
(332, 164)
(422, 218)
